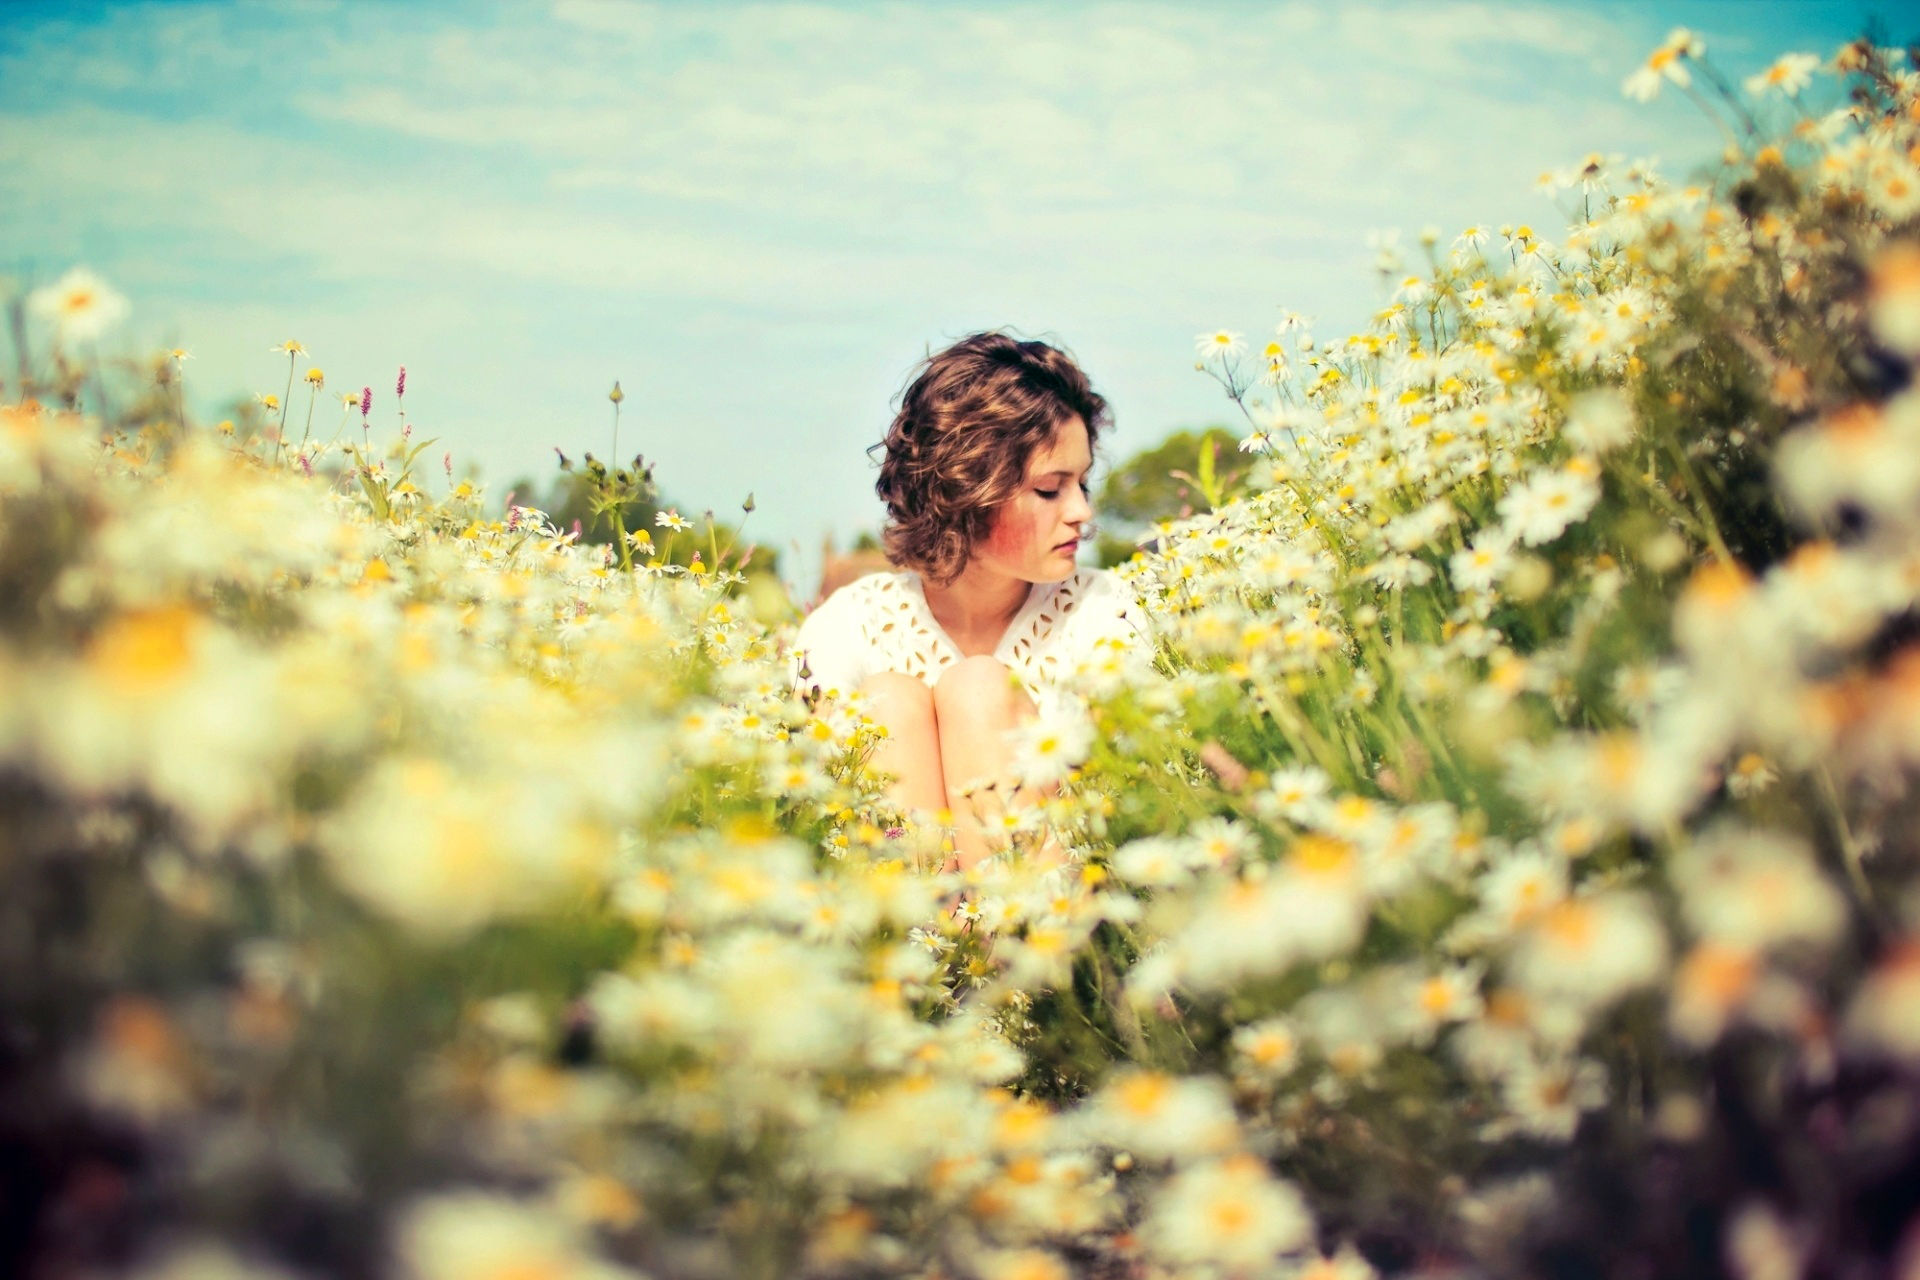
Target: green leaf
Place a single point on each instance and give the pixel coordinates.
(1209, 482)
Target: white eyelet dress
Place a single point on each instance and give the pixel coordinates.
(1086, 623)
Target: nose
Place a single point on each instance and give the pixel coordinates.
(1079, 510)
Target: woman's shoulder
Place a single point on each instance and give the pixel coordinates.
(1106, 577)
(835, 641)
(1088, 585)
(1098, 604)
(848, 609)
(862, 594)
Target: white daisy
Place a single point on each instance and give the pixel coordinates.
(80, 304)
(1219, 343)
(1790, 74)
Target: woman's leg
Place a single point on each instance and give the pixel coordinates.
(975, 704)
(911, 749)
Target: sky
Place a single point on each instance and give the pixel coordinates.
(759, 217)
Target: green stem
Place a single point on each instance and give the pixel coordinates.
(1698, 494)
(100, 392)
(1849, 846)
(313, 393)
(1299, 732)
(620, 534)
(280, 436)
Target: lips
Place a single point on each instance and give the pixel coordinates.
(1074, 545)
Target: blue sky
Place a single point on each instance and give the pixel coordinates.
(758, 217)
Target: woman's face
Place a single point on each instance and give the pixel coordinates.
(1035, 535)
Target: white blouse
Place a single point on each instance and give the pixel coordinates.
(882, 623)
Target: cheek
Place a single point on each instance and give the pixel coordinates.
(1014, 530)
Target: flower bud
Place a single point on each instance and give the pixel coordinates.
(1529, 579)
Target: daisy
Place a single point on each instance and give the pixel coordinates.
(1267, 1050)
(1480, 566)
(1600, 420)
(671, 519)
(1152, 860)
(1314, 908)
(1346, 1264)
(1668, 62)
(1789, 75)
(1760, 1243)
(1709, 987)
(1219, 343)
(1049, 746)
(1451, 995)
(1757, 888)
(1276, 369)
(1519, 887)
(1893, 187)
(1861, 455)
(1587, 952)
(1404, 844)
(80, 304)
(1297, 793)
(1750, 775)
(1230, 1213)
(1395, 572)
(138, 1063)
(1416, 529)
(1220, 842)
(1157, 1116)
(1893, 297)
(1638, 688)
(1881, 1015)
(481, 1233)
(1024, 1264)
(1546, 1099)
(1540, 508)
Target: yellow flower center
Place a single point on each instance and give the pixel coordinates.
(145, 650)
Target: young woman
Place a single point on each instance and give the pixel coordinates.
(985, 480)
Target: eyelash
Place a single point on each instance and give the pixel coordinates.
(1054, 493)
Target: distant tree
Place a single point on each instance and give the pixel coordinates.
(1186, 472)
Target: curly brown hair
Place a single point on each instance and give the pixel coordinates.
(959, 445)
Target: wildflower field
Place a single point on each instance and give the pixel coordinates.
(1499, 858)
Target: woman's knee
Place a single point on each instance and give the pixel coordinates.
(979, 686)
(900, 702)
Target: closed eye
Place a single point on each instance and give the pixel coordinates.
(1054, 493)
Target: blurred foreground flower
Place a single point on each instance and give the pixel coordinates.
(80, 305)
